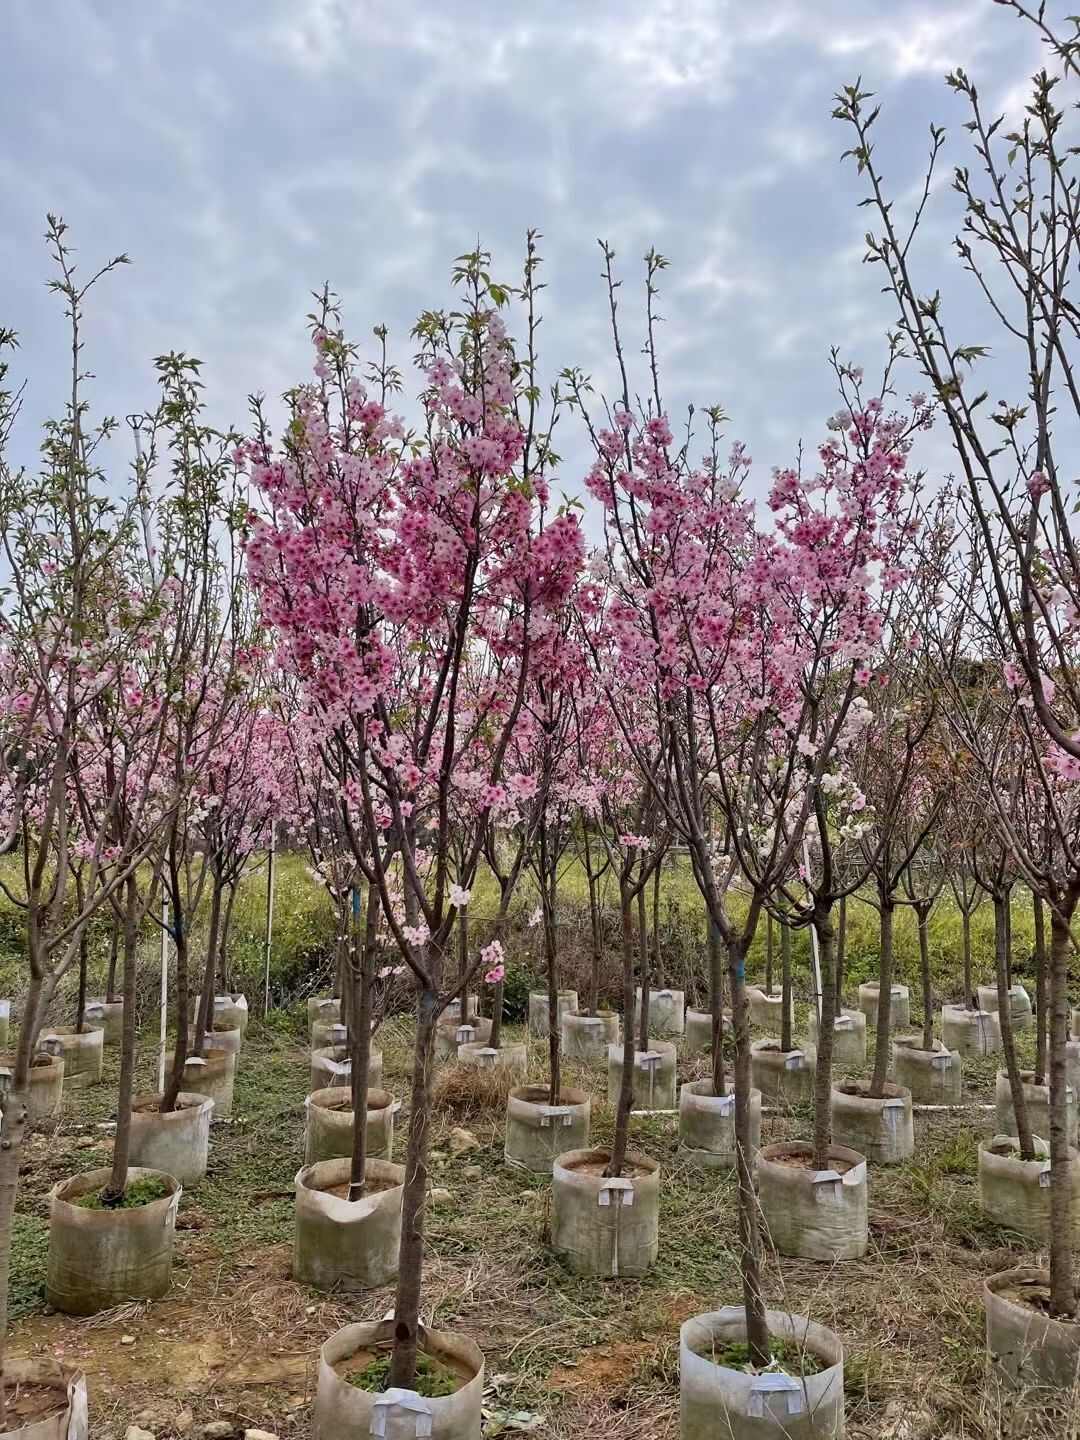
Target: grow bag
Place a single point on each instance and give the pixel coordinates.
(101, 1258)
(566, 1001)
(718, 1403)
(345, 1412)
(601, 1226)
(586, 1037)
(814, 1214)
(343, 1244)
(536, 1131)
(654, 1076)
(707, 1125)
(177, 1142)
(68, 1420)
(328, 1130)
(882, 1130)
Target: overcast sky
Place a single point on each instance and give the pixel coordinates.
(244, 151)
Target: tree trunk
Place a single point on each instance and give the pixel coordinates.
(658, 959)
(716, 1010)
(1008, 939)
(180, 1050)
(1040, 992)
(884, 1001)
(785, 986)
(592, 999)
(14, 1117)
(360, 1038)
(970, 998)
(768, 953)
(823, 928)
(552, 968)
(84, 959)
(1008, 1043)
(414, 1194)
(1062, 1287)
(757, 1333)
(114, 1190)
(204, 1020)
(496, 1016)
(922, 914)
(643, 960)
(841, 953)
(114, 955)
(225, 969)
(626, 1090)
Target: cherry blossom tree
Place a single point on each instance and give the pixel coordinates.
(389, 563)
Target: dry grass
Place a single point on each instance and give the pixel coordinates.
(473, 1092)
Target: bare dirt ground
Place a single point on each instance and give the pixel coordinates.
(236, 1340)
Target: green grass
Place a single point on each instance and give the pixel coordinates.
(136, 1193)
(29, 1252)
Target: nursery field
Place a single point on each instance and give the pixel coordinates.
(233, 1345)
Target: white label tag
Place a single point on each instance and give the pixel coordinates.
(647, 1059)
(843, 1022)
(465, 1034)
(398, 1401)
(616, 1192)
(550, 1113)
(794, 1061)
(942, 1062)
(776, 1395)
(1044, 1178)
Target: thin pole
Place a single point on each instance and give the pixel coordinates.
(269, 924)
(164, 1023)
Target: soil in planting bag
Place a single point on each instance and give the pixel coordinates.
(970, 1032)
(329, 1124)
(108, 1016)
(697, 1036)
(934, 1077)
(509, 1056)
(1037, 1098)
(83, 1052)
(333, 1066)
(784, 1075)
(899, 1006)
(767, 1008)
(214, 1075)
(177, 1142)
(849, 1038)
(450, 1035)
(45, 1091)
(1019, 1004)
(231, 1013)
